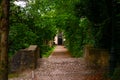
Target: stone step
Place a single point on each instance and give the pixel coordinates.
(60, 68)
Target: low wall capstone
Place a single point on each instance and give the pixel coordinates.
(25, 59)
(97, 57)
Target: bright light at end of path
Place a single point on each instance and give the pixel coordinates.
(20, 3)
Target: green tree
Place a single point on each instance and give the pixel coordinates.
(20, 33)
(35, 21)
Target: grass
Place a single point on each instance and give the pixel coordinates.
(47, 54)
(13, 75)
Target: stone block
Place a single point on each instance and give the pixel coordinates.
(25, 59)
(96, 57)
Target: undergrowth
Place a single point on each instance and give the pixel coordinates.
(48, 53)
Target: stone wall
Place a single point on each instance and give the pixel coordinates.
(25, 59)
(96, 57)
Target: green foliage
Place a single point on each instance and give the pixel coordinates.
(77, 30)
(49, 51)
(20, 37)
(33, 24)
(38, 22)
(116, 74)
(80, 36)
(86, 31)
(93, 9)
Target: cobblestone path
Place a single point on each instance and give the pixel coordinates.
(59, 66)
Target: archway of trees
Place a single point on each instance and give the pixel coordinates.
(83, 22)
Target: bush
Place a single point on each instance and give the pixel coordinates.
(45, 50)
(116, 74)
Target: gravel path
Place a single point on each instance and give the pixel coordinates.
(59, 66)
(60, 52)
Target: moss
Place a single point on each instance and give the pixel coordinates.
(116, 74)
(13, 75)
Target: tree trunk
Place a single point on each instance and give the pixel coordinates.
(4, 29)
